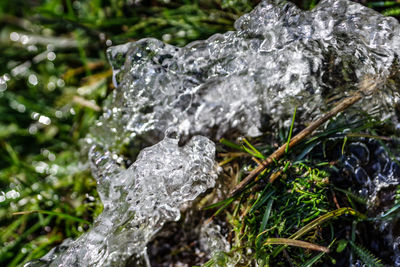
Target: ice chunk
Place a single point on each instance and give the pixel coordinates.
(211, 239)
(138, 201)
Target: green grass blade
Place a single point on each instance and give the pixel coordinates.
(252, 150)
(319, 221)
(260, 201)
(230, 144)
(25, 234)
(313, 260)
(230, 200)
(290, 131)
(324, 218)
(266, 215)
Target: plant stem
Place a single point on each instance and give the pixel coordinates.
(367, 87)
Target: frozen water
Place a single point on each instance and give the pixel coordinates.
(239, 82)
(212, 240)
(279, 57)
(138, 201)
(373, 171)
(375, 176)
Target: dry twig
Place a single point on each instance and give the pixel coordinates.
(367, 87)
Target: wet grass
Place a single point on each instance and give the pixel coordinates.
(54, 77)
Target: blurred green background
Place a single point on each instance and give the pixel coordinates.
(54, 77)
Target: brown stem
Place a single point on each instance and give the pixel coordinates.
(366, 87)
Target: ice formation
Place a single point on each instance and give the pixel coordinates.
(279, 57)
(241, 81)
(138, 201)
(372, 169)
(374, 175)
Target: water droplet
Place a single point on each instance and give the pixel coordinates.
(12, 194)
(181, 33)
(60, 83)
(3, 87)
(58, 114)
(52, 157)
(14, 36)
(21, 108)
(32, 48)
(166, 37)
(51, 56)
(44, 120)
(24, 39)
(32, 129)
(51, 86)
(76, 4)
(32, 79)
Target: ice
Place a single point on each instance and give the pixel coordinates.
(211, 239)
(375, 176)
(250, 79)
(373, 172)
(237, 83)
(138, 201)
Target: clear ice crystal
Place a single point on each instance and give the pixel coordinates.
(211, 239)
(139, 200)
(243, 81)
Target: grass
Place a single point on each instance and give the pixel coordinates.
(298, 203)
(54, 77)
